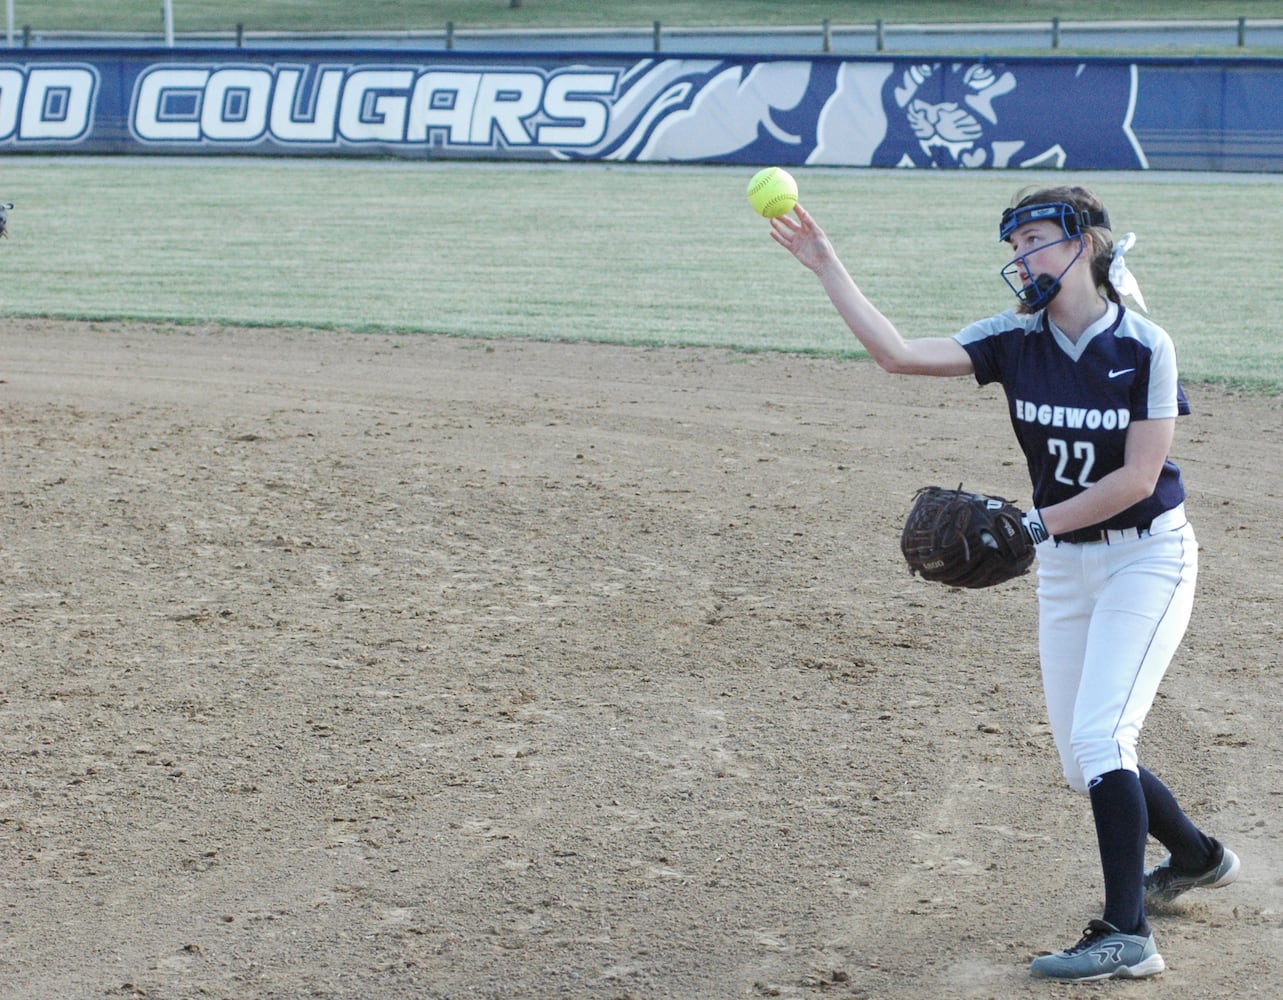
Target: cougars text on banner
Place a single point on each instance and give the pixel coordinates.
(963, 113)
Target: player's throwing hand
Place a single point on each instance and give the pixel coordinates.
(804, 239)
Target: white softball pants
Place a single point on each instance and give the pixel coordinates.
(1111, 615)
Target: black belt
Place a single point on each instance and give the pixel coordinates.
(1084, 536)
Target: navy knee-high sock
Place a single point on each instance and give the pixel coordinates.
(1191, 849)
(1122, 827)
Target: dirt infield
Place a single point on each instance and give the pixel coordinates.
(371, 667)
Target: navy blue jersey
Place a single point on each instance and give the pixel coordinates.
(1071, 404)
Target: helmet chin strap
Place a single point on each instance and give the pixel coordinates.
(1039, 292)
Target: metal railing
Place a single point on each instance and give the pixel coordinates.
(827, 37)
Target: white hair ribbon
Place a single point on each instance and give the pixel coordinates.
(1123, 280)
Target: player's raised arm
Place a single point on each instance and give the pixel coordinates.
(806, 241)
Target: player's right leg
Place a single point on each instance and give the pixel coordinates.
(1064, 619)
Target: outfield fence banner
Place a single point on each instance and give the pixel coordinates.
(937, 111)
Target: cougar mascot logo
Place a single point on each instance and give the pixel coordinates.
(977, 115)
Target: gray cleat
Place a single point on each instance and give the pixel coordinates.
(1103, 953)
(1163, 883)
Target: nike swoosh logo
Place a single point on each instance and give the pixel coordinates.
(1121, 371)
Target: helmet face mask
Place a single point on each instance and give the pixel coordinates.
(1039, 290)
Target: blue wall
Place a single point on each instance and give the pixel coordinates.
(1113, 114)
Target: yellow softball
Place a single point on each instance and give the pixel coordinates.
(772, 192)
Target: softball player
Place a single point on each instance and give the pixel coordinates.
(1093, 396)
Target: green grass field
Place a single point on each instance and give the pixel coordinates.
(396, 15)
(617, 254)
(621, 254)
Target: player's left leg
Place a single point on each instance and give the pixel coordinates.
(1195, 861)
(1191, 849)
